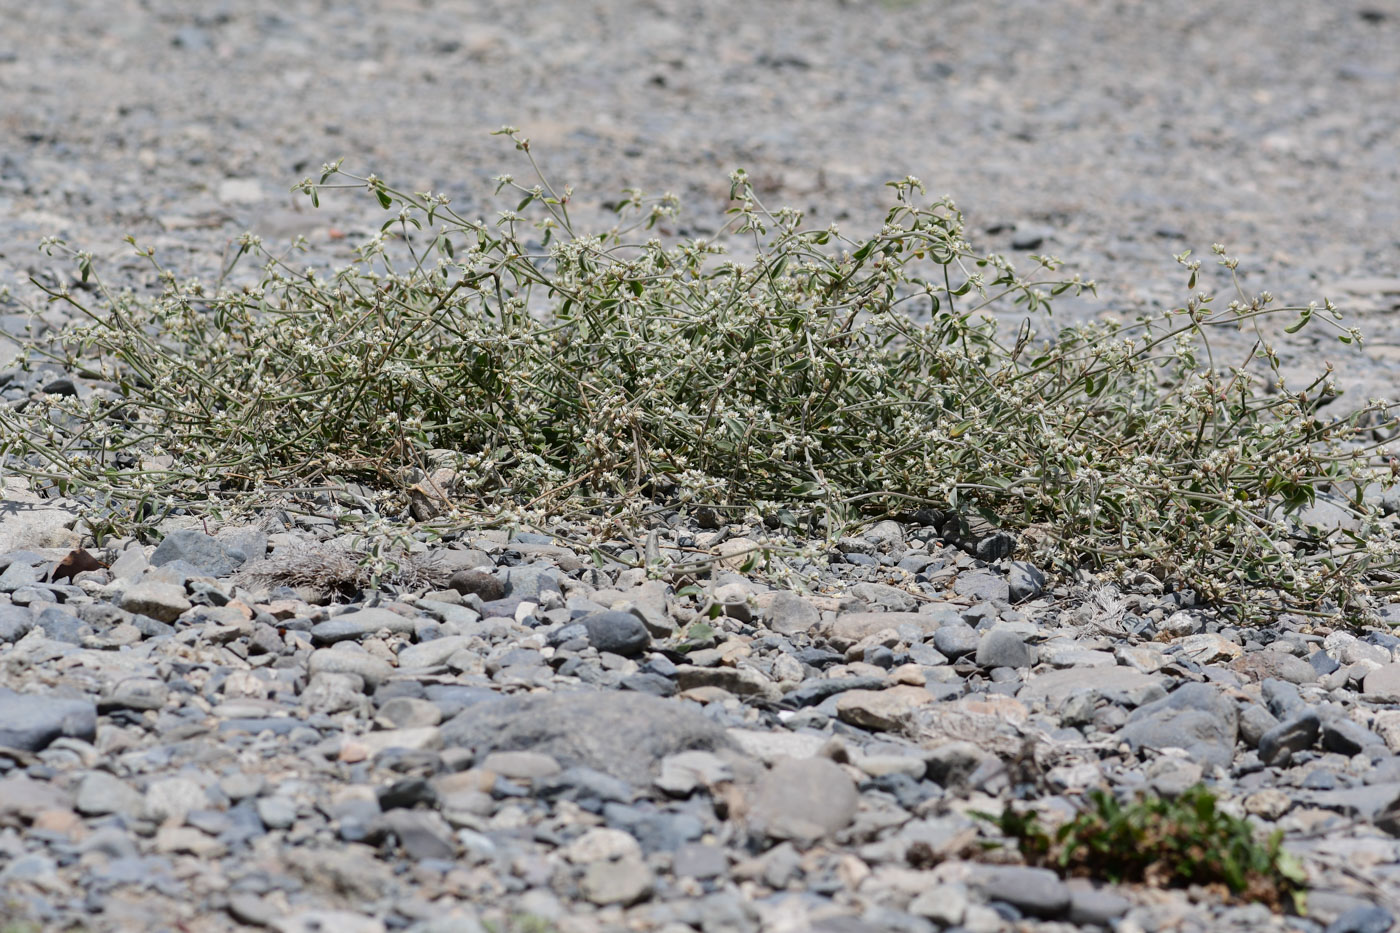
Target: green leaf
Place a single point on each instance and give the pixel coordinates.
(700, 631)
(385, 201)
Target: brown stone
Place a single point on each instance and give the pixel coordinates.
(850, 627)
(889, 710)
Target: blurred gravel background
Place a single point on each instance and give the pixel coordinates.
(1111, 134)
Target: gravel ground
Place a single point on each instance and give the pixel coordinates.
(543, 744)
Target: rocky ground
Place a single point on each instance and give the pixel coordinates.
(526, 738)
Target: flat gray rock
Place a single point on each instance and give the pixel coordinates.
(983, 585)
(803, 799)
(1055, 686)
(1195, 717)
(624, 735)
(201, 550)
(1282, 742)
(886, 597)
(360, 624)
(1024, 581)
(31, 722)
(164, 602)
(1036, 891)
(101, 793)
(790, 614)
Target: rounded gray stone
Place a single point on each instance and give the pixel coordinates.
(790, 614)
(957, 640)
(101, 793)
(164, 602)
(276, 812)
(1004, 647)
(1036, 891)
(617, 631)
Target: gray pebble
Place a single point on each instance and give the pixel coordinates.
(1036, 891)
(1024, 581)
(1004, 647)
(1348, 737)
(982, 585)
(276, 812)
(1293, 735)
(1255, 720)
(101, 793)
(164, 602)
(958, 640)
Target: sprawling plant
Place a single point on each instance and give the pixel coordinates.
(791, 372)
